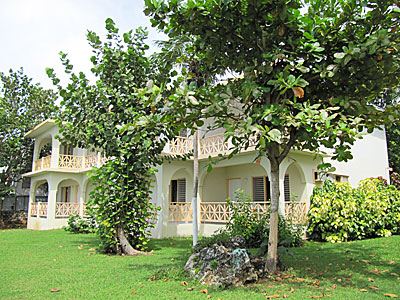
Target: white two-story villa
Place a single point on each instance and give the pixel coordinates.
(63, 172)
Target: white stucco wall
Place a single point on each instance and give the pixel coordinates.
(370, 159)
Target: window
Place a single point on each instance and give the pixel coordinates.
(261, 189)
(65, 193)
(178, 190)
(319, 177)
(341, 178)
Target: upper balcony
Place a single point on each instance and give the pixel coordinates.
(69, 162)
(212, 145)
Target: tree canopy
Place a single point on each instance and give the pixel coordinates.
(23, 105)
(310, 71)
(120, 116)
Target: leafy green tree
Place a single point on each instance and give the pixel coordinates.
(23, 105)
(392, 97)
(310, 72)
(120, 115)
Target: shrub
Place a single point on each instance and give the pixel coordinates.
(245, 221)
(77, 224)
(395, 179)
(339, 212)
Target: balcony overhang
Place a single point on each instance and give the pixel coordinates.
(41, 128)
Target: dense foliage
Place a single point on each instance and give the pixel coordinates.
(310, 71)
(253, 225)
(119, 115)
(339, 212)
(23, 105)
(76, 224)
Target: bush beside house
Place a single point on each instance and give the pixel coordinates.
(339, 212)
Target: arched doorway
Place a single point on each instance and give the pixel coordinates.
(67, 202)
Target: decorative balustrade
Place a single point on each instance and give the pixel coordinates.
(181, 145)
(66, 209)
(42, 163)
(73, 162)
(180, 212)
(70, 161)
(90, 161)
(209, 145)
(42, 209)
(213, 144)
(296, 212)
(63, 210)
(34, 209)
(219, 212)
(214, 212)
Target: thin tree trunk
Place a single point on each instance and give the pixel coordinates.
(272, 257)
(195, 186)
(126, 247)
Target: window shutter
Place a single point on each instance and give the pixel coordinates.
(286, 186)
(181, 190)
(258, 189)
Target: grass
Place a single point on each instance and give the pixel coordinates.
(34, 262)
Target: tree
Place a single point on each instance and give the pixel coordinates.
(23, 105)
(391, 97)
(311, 71)
(179, 52)
(121, 116)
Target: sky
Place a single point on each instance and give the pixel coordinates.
(33, 32)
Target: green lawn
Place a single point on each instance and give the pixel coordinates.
(34, 262)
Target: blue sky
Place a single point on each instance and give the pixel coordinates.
(33, 32)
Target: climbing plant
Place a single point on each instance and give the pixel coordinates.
(121, 116)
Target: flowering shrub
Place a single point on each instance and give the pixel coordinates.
(339, 212)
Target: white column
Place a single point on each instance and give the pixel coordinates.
(51, 204)
(55, 152)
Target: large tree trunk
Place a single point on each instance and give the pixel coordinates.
(272, 258)
(195, 186)
(126, 247)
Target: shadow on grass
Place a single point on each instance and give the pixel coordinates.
(361, 264)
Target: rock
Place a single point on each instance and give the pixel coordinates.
(225, 265)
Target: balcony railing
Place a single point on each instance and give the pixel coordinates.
(70, 161)
(73, 162)
(213, 144)
(63, 209)
(219, 212)
(42, 163)
(181, 145)
(208, 145)
(180, 212)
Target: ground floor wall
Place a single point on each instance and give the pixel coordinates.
(66, 195)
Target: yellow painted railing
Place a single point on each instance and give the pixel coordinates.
(70, 161)
(296, 212)
(42, 209)
(66, 209)
(90, 161)
(215, 212)
(34, 209)
(181, 145)
(180, 212)
(213, 144)
(218, 212)
(42, 163)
